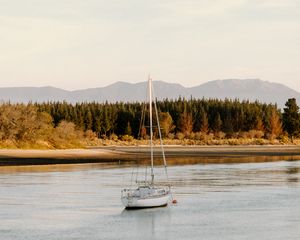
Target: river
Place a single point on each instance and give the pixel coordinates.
(215, 201)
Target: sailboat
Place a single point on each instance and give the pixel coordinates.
(147, 194)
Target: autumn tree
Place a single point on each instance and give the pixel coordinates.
(143, 133)
(65, 135)
(23, 123)
(260, 125)
(204, 123)
(275, 124)
(9, 117)
(185, 124)
(166, 123)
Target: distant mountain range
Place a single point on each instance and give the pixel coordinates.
(243, 89)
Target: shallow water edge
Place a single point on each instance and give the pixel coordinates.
(175, 154)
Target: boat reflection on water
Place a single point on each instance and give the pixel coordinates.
(150, 221)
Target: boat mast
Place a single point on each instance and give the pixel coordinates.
(151, 130)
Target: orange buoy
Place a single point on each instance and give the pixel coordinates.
(174, 201)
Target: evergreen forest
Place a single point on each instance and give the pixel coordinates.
(61, 124)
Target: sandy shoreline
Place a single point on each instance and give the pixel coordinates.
(268, 150)
(10, 157)
(32, 157)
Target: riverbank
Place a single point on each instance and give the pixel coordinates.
(11, 157)
(174, 154)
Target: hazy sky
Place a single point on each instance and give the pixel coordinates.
(76, 44)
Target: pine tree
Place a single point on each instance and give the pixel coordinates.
(128, 130)
(228, 128)
(88, 121)
(291, 118)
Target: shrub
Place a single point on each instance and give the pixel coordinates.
(90, 135)
(127, 138)
(283, 139)
(113, 137)
(244, 135)
(171, 136)
(220, 135)
(199, 136)
(256, 134)
(179, 136)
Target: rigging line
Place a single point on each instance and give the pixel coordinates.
(137, 172)
(144, 117)
(160, 137)
(146, 174)
(131, 180)
(139, 149)
(142, 123)
(143, 113)
(151, 130)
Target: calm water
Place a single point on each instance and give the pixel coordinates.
(225, 201)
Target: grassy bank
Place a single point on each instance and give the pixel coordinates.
(203, 142)
(81, 141)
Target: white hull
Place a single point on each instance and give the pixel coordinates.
(136, 202)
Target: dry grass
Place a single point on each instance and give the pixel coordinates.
(82, 140)
(190, 142)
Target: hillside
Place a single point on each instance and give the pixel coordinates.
(252, 89)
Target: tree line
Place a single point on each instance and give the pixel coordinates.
(180, 118)
(62, 125)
